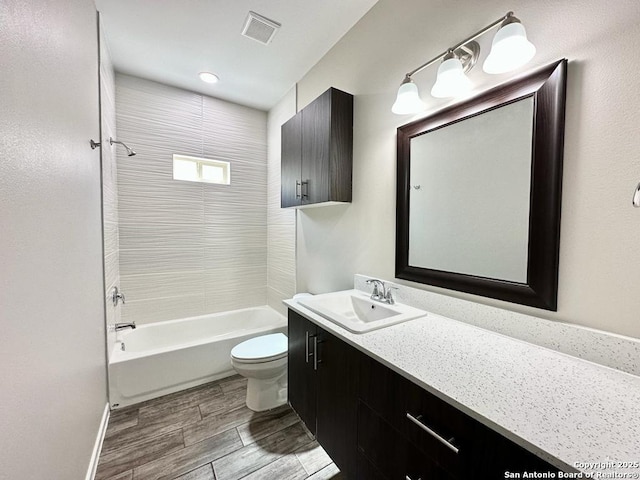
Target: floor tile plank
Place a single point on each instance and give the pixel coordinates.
(189, 458)
(189, 398)
(164, 424)
(233, 384)
(203, 473)
(124, 459)
(223, 403)
(255, 456)
(269, 422)
(330, 472)
(215, 424)
(128, 475)
(284, 468)
(313, 458)
(121, 419)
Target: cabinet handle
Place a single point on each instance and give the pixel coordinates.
(315, 352)
(306, 346)
(446, 443)
(305, 193)
(298, 189)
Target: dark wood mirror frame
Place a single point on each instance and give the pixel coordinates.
(547, 86)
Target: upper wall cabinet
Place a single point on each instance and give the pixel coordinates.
(317, 152)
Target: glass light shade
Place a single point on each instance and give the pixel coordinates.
(408, 100)
(451, 80)
(510, 49)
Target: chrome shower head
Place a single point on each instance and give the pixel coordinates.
(130, 151)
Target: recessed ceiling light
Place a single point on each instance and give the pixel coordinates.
(209, 77)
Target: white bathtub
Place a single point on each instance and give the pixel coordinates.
(165, 357)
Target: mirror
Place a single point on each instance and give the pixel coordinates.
(479, 183)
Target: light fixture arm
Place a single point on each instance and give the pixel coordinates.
(505, 18)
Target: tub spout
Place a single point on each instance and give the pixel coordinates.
(122, 326)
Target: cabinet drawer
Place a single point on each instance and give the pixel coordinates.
(366, 470)
(438, 429)
(381, 444)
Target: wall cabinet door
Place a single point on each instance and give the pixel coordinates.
(302, 379)
(317, 152)
(291, 188)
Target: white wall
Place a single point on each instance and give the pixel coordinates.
(281, 222)
(189, 248)
(599, 254)
(52, 360)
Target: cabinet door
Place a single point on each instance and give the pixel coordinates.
(302, 378)
(316, 130)
(291, 149)
(337, 401)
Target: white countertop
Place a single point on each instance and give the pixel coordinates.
(571, 412)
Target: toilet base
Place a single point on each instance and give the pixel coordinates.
(265, 394)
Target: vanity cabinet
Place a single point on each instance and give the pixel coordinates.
(377, 425)
(321, 371)
(317, 152)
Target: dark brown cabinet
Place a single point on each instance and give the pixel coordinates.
(317, 152)
(301, 367)
(321, 369)
(377, 425)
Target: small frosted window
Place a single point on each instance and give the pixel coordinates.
(185, 170)
(213, 173)
(195, 169)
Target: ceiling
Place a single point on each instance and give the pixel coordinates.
(171, 41)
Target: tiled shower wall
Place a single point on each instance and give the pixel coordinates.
(189, 248)
(109, 187)
(281, 240)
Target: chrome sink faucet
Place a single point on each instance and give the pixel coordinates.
(381, 292)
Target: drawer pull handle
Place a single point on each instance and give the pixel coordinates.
(446, 443)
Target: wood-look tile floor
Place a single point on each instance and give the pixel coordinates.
(208, 433)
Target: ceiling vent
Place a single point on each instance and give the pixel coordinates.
(259, 28)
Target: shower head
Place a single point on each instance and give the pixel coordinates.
(130, 151)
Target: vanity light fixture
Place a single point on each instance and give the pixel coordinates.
(209, 77)
(510, 50)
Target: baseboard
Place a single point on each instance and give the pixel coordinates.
(97, 448)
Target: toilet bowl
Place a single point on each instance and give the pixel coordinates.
(263, 361)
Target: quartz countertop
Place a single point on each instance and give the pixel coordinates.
(577, 415)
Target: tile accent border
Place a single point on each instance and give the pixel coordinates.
(597, 346)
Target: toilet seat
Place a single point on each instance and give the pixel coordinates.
(265, 348)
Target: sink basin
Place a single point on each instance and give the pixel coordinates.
(357, 312)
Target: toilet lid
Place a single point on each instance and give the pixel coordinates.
(261, 349)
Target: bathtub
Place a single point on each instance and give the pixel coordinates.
(165, 357)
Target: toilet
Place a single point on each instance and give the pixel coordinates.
(263, 361)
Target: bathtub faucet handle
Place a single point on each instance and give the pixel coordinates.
(117, 296)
